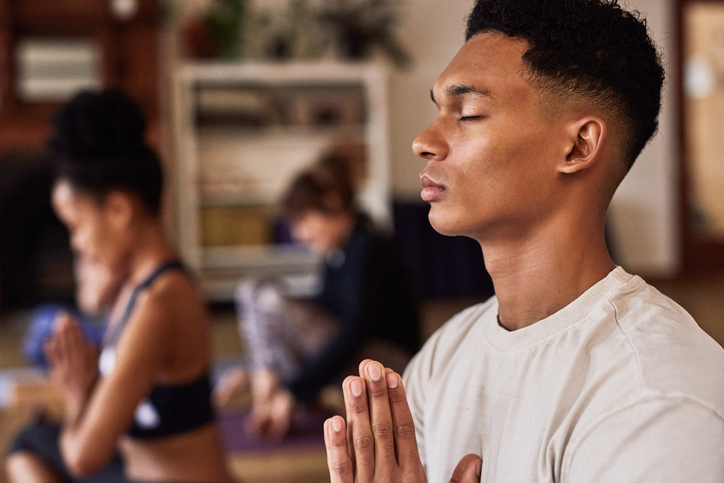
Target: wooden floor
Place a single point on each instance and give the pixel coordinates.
(704, 299)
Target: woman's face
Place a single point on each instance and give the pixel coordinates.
(323, 232)
(94, 228)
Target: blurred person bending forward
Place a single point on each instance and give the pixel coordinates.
(365, 307)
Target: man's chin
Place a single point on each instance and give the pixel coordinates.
(442, 223)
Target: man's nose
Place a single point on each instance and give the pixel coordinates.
(430, 143)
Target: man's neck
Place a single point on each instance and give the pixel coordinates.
(538, 276)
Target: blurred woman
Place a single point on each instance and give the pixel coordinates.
(365, 307)
(141, 411)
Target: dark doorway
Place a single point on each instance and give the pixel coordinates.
(35, 257)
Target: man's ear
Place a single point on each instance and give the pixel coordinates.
(119, 208)
(586, 137)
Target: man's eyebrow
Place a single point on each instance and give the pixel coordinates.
(462, 90)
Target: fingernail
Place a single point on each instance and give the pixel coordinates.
(479, 468)
(374, 371)
(356, 387)
(392, 381)
(336, 425)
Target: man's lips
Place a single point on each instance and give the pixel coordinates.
(430, 189)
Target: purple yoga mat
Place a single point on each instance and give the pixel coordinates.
(306, 433)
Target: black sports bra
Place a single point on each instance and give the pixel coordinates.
(168, 410)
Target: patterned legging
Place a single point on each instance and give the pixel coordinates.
(280, 333)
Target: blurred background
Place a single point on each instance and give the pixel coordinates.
(243, 94)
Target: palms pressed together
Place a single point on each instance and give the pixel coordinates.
(377, 442)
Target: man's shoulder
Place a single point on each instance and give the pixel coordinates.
(673, 355)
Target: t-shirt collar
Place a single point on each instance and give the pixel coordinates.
(564, 319)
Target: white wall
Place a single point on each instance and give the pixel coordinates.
(433, 31)
(644, 212)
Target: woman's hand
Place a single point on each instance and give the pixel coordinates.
(74, 365)
(273, 418)
(233, 380)
(378, 443)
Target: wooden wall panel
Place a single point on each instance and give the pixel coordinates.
(129, 50)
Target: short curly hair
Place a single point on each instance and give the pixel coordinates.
(592, 48)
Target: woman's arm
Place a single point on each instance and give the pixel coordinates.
(89, 442)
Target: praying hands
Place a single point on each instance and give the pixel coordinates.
(377, 443)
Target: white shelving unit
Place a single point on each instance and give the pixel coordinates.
(291, 113)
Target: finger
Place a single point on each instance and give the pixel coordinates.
(61, 348)
(76, 341)
(468, 469)
(76, 345)
(403, 423)
(359, 428)
(258, 422)
(381, 418)
(61, 321)
(222, 395)
(72, 345)
(363, 367)
(49, 350)
(282, 415)
(92, 350)
(339, 462)
(231, 381)
(91, 355)
(278, 428)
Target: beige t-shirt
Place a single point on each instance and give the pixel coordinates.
(619, 386)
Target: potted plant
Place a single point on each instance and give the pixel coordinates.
(361, 25)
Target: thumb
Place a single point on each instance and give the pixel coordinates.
(468, 469)
(62, 320)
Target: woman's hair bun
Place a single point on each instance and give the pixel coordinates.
(98, 125)
(99, 144)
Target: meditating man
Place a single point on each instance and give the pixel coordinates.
(576, 371)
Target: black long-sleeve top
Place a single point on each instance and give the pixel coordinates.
(367, 288)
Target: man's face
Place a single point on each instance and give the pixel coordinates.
(490, 151)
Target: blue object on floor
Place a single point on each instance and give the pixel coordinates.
(42, 321)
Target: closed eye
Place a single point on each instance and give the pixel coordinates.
(470, 118)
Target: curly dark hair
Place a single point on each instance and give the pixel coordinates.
(99, 142)
(592, 48)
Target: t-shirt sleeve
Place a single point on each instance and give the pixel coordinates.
(672, 439)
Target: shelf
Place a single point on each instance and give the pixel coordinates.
(282, 73)
(281, 131)
(231, 196)
(258, 257)
(243, 131)
(254, 167)
(220, 286)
